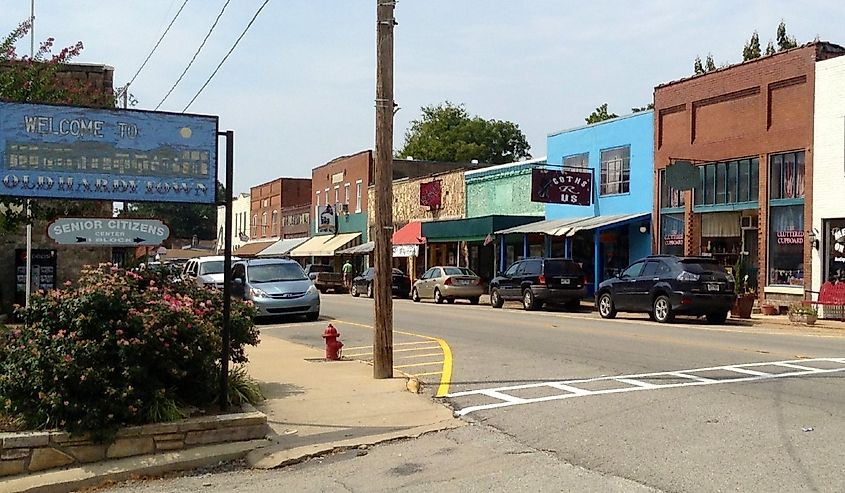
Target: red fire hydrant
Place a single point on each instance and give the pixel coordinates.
(333, 346)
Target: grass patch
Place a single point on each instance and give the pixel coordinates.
(243, 388)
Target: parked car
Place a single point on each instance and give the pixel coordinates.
(540, 281)
(325, 278)
(276, 287)
(364, 283)
(664, 286)
(206, 271)
(449, 284)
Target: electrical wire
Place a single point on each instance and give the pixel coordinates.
(154, 47)
(227, 56)
(195, 55)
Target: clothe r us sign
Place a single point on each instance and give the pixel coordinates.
(561, 187)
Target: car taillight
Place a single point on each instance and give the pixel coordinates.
(542, 279)
(448, 281)
(584, 280)
(477, 282)
(688, 276)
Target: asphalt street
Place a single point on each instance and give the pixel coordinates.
(725, 432)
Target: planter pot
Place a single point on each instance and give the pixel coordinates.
(803, 318)
(769, 309)
(743, 306)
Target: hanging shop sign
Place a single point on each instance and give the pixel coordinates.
(405, 251)
(430, 194)
(63, 152)
(86, 231)
(561, 187)
(682, 175)
(327, 222)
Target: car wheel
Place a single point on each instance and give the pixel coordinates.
(354, 291)
(474, 300)
(438, 298)
(606, 307)
(496, 300)
(717, 318)
(663, 309)
(529, 302)
(369, 290)
(415, 295)
(312, 317)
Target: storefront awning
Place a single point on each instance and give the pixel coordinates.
(362, 249)
(281, 247)
(324, 246)
(253, 249)
(570, 226)
(471, 229)
(409, 234)
(604, 222)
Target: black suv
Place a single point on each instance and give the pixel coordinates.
(665, 285)
(539, 281)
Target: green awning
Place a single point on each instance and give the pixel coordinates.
(471, 229)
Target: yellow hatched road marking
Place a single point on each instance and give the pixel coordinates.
(412, 356)
(420, 364)
(395, 351)
(445, 375)
(395, 344)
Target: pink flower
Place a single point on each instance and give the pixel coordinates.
(68, 358)
(68, 283)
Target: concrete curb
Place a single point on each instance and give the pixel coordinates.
(278, 456)
(95, 474)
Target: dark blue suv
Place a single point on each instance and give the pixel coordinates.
(664, 286)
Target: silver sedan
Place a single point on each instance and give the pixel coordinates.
(448, 283)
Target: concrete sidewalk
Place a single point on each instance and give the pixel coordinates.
(315, 406)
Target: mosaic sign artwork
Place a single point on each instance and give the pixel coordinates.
(64, 152)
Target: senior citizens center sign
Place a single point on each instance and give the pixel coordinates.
(108, 231)
(63, 152)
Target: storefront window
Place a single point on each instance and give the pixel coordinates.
(786, 245)
(672, 234)
(834, 250)
(669, 197)
(728, 182)
(787, 175)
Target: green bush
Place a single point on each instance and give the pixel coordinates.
(118, 348)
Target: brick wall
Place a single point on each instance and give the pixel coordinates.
(753, 109)
(268, 199)
(346, 170)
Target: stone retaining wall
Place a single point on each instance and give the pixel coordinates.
(29, 452)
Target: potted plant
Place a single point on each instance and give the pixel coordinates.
(745, 293)
(803, 314)
(769, 309)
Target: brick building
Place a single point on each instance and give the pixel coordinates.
(268, 202)
(744, 127)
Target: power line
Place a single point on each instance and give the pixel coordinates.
(195, 55)
(156, 46)
(227, 55)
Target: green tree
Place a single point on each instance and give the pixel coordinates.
(770, 48)
(600, 114)
(36, 79)
(649, 106)
(446, 132)
(697, 66)
(709, 64)
(752, 48)
(784, 40)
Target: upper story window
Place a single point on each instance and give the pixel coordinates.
(669, 197)
(577, 160)
(274, 223)
(787, 176)
(358, 186)
(616, 171)
(730, 182)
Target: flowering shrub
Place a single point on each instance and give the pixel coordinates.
(115, 348)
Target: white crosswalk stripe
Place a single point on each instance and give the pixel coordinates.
(650, 381)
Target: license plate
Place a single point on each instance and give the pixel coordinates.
(565, 281)
(464, 282)
(712, 287)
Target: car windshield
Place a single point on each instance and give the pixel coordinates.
(458, 271)
(698, 266)
(562, 268)
(276, 273)
(213, 267)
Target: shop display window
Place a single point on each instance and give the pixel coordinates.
(786, 245)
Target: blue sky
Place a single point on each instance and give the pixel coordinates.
(298, 90)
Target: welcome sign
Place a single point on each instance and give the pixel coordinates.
(63, 152)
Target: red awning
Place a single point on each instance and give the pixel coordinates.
(410, 234)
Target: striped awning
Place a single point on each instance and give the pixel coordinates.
(572, 225)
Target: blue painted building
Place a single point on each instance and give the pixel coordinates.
(616, 228)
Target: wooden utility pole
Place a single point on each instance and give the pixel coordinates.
(383, 231)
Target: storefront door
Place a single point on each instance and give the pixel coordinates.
(834, 250)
